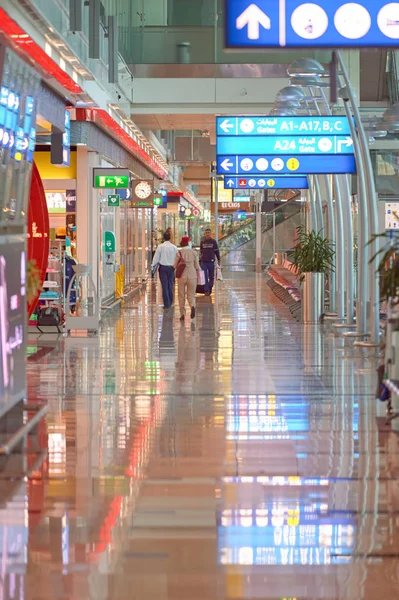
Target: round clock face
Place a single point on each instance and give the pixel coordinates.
(143, 190)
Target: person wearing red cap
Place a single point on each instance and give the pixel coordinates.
(187, 283)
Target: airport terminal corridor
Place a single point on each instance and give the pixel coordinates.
(238, 455)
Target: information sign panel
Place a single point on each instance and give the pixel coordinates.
(319, 23)
(332, 144)
(261, 183)
(285, 165)
(267, 125)
(114, 200)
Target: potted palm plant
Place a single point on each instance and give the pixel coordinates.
(314, 260)
(388, 267)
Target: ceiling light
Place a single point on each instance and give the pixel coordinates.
(290, 94)
(309, 81)
(306, 67)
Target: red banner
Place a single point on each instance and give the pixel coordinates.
(38, 230)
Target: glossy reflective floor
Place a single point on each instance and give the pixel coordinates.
(238, 456)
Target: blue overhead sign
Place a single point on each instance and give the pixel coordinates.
(263, 183)
(264, 145)
(285, 145)
(284, 165)
(264, 125)
(319, 23)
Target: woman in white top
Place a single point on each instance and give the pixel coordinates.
(187, 283)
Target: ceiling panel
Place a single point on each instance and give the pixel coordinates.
(174, 122)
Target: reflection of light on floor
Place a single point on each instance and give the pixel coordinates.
(280, 480)
(56, 451)
(265, 415)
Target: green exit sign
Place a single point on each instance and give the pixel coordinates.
(111, 181)
(114, 200)
(111, 178)
(158, 201)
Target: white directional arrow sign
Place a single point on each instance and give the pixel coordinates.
(230, 183)
(226, 126)
(253, 16)
(226, 164)
(348, 142)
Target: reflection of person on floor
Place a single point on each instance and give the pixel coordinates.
(188, 360)
(208, 334)
(209, 253)
(165, 257)
(187, 283)
(167, 339)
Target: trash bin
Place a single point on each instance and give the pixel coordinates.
(183, 53)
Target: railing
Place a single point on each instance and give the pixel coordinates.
(238, 251)
(392, 77)
(247, 231)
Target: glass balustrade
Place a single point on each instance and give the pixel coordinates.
(238, 250)
(160, 32)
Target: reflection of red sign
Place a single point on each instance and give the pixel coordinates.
(242, 182)
(38, 229)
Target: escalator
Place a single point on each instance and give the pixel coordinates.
(238, 250)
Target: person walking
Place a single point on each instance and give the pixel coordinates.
(187, 283)
(209, 253)
(165, 257)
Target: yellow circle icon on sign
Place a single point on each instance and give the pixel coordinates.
(271, 183)
(293, 164)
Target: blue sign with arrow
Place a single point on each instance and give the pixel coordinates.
(320, 23)
(285, 145)
(263, 183)
(264, 125)
(284, 165)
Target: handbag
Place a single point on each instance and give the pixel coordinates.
(181, 265)
(219, 274)
(200, 277)
(154, 269)
(49, 317)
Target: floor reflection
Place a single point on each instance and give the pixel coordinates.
(237, 455)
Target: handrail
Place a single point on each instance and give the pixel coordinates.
(250, 221)
(392, 77)
(225, 247)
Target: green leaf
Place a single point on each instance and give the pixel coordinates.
(313, 253)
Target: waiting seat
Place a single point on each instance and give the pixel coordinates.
(284, 283)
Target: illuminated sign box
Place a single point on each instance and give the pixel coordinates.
(302, 24)
(111, 178)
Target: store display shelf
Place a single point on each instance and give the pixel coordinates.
(49, 296)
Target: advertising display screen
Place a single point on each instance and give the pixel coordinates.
(12, 320)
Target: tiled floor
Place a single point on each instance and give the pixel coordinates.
(238, 456)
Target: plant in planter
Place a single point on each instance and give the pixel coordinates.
(388, 267)
(314, 260)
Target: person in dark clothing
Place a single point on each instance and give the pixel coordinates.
(165, 257)
(209, 252)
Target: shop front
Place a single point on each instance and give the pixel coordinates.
(181, 216)
(113, 234)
